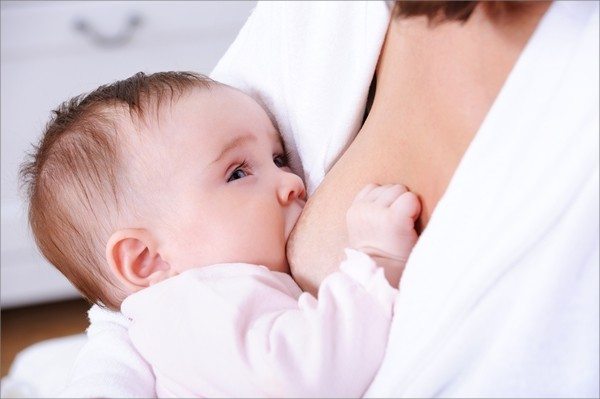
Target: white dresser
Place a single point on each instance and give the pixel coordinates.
(52, 51)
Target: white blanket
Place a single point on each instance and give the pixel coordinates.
(509, 307)
(310, 64)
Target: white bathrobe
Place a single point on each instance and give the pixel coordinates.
(507, 308)
(241, 330)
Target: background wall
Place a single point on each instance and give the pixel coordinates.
(51, 51)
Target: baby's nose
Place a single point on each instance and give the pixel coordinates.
(291, 188)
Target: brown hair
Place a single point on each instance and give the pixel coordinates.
(436, 10)
(73, 180)
(444, 11)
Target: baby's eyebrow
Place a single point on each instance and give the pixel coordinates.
(232, 144)
(277, 138)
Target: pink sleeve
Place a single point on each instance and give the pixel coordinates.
(241, 330)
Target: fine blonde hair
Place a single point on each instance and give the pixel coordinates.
(73, 182)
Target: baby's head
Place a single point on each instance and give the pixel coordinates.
(147, 177)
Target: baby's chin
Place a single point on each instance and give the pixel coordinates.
(282, 267)
(275, 260)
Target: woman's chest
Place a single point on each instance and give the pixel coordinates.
(435, 85)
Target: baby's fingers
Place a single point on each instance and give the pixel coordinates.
(407, 204)
(362, 194)
(389, 194)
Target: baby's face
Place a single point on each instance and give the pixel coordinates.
(221, 182)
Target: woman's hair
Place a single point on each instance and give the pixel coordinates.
(442, 11)
(74, 180)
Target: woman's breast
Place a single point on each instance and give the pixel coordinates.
(435, 86)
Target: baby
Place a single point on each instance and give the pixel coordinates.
(170, 197)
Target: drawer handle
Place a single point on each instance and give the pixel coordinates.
(119, 39)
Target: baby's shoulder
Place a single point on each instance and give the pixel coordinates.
(218, 280)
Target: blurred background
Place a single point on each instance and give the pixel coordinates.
(51, 51)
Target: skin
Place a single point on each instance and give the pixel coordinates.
(381, 223)
(419, 126)
(232, 197)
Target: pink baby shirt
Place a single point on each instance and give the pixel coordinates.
(240, 330)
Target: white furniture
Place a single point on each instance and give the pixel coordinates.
(52, 51)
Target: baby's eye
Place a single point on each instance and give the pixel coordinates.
(281, 160)
(239, 173)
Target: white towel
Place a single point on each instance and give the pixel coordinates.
(310, 64)
(509, 307)
(42, 369)
(108, 366)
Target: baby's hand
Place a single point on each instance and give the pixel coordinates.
(381, 224)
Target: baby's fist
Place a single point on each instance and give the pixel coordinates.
(381, 221)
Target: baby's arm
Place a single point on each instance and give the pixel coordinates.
(381, 224)
(240, 330)
(231, 330)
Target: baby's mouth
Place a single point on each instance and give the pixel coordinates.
(297, 209)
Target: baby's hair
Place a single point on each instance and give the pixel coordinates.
(73, 182)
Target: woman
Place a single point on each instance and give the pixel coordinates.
(489, 113)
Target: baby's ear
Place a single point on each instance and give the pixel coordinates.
(133, 259)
